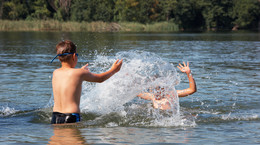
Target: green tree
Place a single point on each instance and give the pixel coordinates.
(14, 9)
(92, 10)
(40, 9)
(188, 14)
(217, 14)
(63, 8)
(167, 7)
(130, 10)
(80, 11)
(102, 10)
(246, 13)
(143, 11)
(119, 10)
(150, 11)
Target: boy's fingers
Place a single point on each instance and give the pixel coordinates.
(187, 64)
(85, 65)
(121, 61)
(180, 65)
(184, 64)
(116, 61)
(181, 69)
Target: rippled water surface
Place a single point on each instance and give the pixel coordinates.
(224, 110)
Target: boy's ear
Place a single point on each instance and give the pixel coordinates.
(74, 56)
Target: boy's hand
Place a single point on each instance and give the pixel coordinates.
(184, 68)
(85, 67)
(117, 65)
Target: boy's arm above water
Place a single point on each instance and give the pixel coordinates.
(92, 77)
(192, 89)
(146, 96)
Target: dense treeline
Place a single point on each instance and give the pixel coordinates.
(187, 14)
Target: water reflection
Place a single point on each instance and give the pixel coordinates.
(122, 135)
(66, 135)
(117, 135)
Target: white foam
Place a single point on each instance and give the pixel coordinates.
(239, 116)
(5, 111)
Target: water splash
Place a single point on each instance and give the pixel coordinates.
(6, 111)
(140, 71)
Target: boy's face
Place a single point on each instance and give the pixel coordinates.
(159, 94)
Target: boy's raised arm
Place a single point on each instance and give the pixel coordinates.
(192, 89)
(92, 77)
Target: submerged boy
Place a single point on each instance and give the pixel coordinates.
(67, 83)
(162, 100)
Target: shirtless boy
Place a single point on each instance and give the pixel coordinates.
(67, 83)
(162, 100)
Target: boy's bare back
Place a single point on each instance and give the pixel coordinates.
(67, 85)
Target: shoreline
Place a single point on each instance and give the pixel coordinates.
(99, 26)
(54, 25)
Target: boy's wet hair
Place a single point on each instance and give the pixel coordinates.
(66, 46)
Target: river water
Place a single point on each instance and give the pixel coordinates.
(224, 110)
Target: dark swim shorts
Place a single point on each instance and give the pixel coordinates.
(60, 118)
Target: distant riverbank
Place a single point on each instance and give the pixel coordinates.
(53, 25)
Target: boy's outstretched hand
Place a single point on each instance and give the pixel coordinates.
(85, 67)
(184, 68)
(117, 65)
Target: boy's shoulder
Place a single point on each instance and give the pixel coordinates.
(70, 71)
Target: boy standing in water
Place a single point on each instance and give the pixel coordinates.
(164, 101)
(67, 83)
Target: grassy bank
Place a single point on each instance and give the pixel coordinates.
(53, 25)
